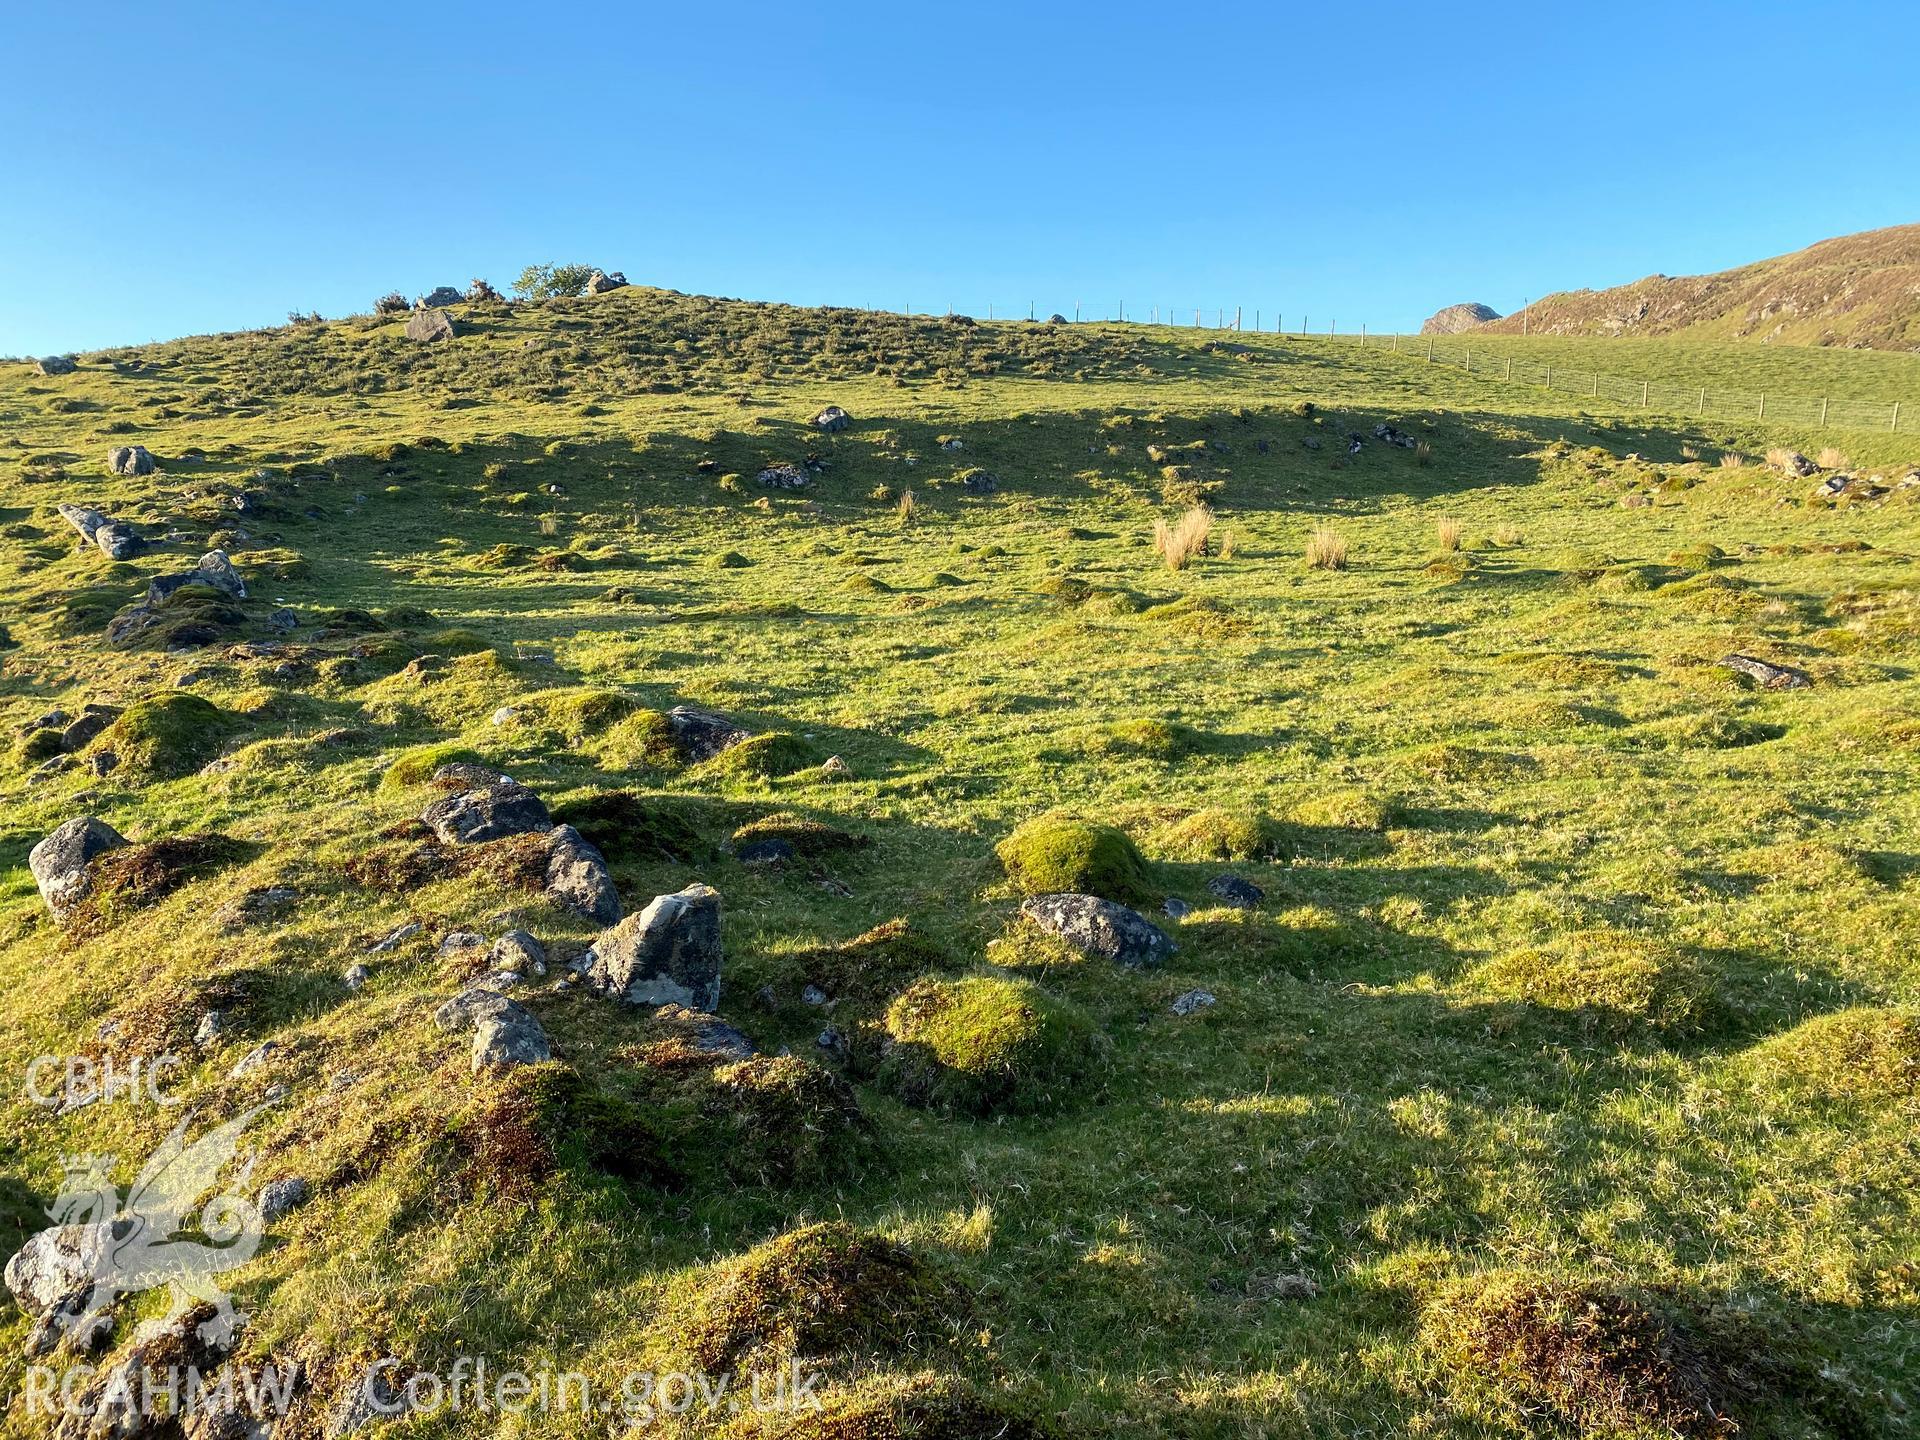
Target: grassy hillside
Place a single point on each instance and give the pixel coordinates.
(1563, 1072)
(1856, 291)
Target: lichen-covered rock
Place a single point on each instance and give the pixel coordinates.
(832, 419)
(59, 862)
(1100, 927)
(130, 460)
(601, 281)
(439, 298)
(427, 326)
(55, 365)
(1240, 893)
(507, 1035)
(1457, 319)
(577, 876)
(214, 570)
(493, 813)
(280, 1198)
(56, 1267)
(783, 477)
(668, 954)
(702, 734)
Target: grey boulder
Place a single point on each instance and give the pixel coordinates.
(668, 954)
(476, 816)
(55, 365)
(130, 460)
(59, 862)
(578, 878)
(703, 734)
(507, 1035)
(832, 419)
(1100, 927)
(783, 477)
(1234, 891)
(430, 325)
(601, 281)
(281, 1198)
(438, 298)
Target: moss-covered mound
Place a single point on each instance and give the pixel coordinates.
(764, 757)
(1604, 1362)
(416, 766)
(1052, 854)
(538, 1120)
(809, 838)
(1217, 834)
(632, 828)
(1150, 738)
(583, 713)
(166, 736)
(1608, 976)
(640, 739)
(984, 1045)
(1860, 1054)
(827, 1292)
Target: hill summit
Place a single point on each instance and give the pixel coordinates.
(1860, 291)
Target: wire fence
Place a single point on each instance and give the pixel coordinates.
(1665, 397)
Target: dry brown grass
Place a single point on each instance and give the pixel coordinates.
(1185, 539)
(1831, 459)
(1507, 536)
(1733, 460)
(1326, 549)
(906, 508)
(1229, 543)
(1449, 532)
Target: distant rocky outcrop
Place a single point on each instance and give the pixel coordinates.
(55, 365)
(130, 460)
(1456, 318)
(439, 298)
(602, 281)
(1857, 291)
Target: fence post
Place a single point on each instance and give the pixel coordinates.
(1429, 350)
(1076, 312)
(1256, 322)
(1549, 377)
(1896, 416)
(1396, 342)
(1236, 319)
(1643, 390)
(1330, 325)
(1594, 389)
(1823, 409)
(1763, 404)
(1509, 374)
(1303, 326)
(1703, 399)
(1468, 366)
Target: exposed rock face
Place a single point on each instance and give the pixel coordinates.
(130, 460)
(439, 298)
(783, 477)
(708, 1034)
(832, 419)
(1193, 1001)
(668, 954)
(577, 876)
(703, 734)
(53, 1271)
(214, 570)
(81, 730)
(430, 325)
(115, 539)
(59, 862)
(55, 365)
(1458, 318)
(1101, 927)
(476, 816)
(600, 282)
(1767, 675)
(1792, 463)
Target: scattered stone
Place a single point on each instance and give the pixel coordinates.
(667, 954)
(1100, 927)
(813, 995)
(708, 1034)
(1192, 1000)
(1283, 1287)
(439, 298)
(492, 813)
(600, 282)
(578, 877)
(280, 1198)
(482, 997)
(463, 774)
(1174, 908)
(356, 977)
(455, 940)
(1239, 893)
(212, 1026)
(81, 731)
(832, 419)
(979, 482)
(130, 460)
(836, 768)
(394, 938)
(1056, 319)
(1391, 436)
(1792, 463)
(55, 365)
(519, 952)
(52, 1274)
(703, 734)
(371, 1400)
(783, 477)
(254, 1059)
(1769, 676)
(284, 619)
(507, 1036)
(504, 715)
(213, 570)
(59, 863)
(952, 445)
(427, 326)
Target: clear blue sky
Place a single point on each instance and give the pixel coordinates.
(173, 168)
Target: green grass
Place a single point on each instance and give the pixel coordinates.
(1422, 1068)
